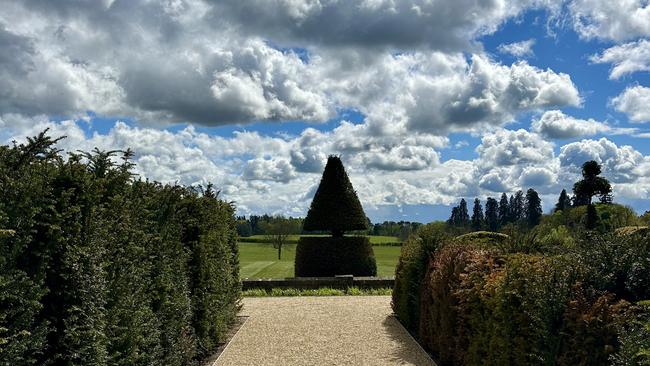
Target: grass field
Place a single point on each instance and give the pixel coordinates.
(261, 260)
(293, 239)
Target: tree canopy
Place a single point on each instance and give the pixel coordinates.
(278, 230)
(563, 201)
(533, 207)
(591, 185)
(477, 215)
(492, 214)
(336, 207)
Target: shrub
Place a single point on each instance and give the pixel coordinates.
(559, 237)
(634, 338)
(486, 238)
(610, 217)
(440, 329)
(410, 271)
(330, 256)
(632, 230)
(589, 327)
(481, 306)
(619, 264)
(104, 269)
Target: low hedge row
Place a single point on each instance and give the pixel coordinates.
(483, 306)
(330, 256)
(104, 269)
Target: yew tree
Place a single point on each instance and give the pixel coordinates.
(336, 207)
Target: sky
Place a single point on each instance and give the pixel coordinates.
(425, 101)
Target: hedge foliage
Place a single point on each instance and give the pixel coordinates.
(103, 268)
(410, 271)
(579, 304)
(331, 256)
(335, 207)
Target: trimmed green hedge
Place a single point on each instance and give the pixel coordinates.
(410, 271)
(105, 269)
(329, 256)
(488, 304)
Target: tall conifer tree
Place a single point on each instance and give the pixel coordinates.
(492, 214)
(517, 207)
(504, 209)
(533, 208)
(563, 201)
(477, 215)
(463, 214)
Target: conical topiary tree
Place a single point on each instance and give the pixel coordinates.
(336, 207)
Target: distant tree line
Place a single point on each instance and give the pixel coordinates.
(516, 209)
(265, 224)
(269, 224)
(400, 229)
(520, 209)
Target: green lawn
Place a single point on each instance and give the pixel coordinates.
(374, 239)
(261, 260)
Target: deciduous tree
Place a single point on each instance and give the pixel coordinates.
(278, 230)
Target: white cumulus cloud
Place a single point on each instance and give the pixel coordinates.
(521, 49)
(626, 58)
(556, 125)
(635, 103)
(619, 20)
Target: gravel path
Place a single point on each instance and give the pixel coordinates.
(338, 330)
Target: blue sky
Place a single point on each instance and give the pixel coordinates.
(426, 102)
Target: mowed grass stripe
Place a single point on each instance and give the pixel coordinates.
(386, 258)
(261, 260)
(254, 268)
(276, 268)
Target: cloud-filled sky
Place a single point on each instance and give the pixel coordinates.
(426, 101)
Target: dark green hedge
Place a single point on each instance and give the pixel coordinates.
(328, 256)
(410, 272)
(335, 207)
(105, 269)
